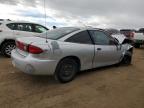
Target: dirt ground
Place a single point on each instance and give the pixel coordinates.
(110, 87)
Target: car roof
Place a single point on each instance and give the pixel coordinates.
(6, 22)
(84, 28)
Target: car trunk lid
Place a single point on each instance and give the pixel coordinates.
(31, 45)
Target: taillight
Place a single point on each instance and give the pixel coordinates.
(34, 50)
(28, 48)
(21, 46)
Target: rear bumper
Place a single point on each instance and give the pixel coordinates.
(32, 65)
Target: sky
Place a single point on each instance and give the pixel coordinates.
(118, 14)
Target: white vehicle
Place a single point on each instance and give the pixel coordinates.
(68, 50)
(138, 39)
(10, 30)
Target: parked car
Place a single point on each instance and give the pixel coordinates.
(68, 50)
(10, 30)
(5, 20)
(138, 39)
(141, 30)
(129, 33)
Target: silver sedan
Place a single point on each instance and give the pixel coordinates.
(63, 52)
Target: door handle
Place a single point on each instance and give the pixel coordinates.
(99, 49)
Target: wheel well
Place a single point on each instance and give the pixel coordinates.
(74, 58)
(131, 50)
(6, 40)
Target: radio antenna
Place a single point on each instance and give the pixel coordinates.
(45, 17)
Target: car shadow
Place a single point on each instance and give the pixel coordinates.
(142, 47)
(45, 80)
(49, 80)
(100, 69)
(1, 56)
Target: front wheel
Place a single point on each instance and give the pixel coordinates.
(127, 60)
(7, 48)
(66, 70)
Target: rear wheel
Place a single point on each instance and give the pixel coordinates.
(7, 48)
(66, 70)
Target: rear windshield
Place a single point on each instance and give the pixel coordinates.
(60, 32)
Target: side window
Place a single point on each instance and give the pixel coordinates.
(39, 29)
(100, 38)
(81, 37)
(27, 27)
(24, 27)
(12, 26)
(20, 26)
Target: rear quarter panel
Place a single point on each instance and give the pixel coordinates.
(85, 52)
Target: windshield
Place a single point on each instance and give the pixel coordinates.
(59, 32)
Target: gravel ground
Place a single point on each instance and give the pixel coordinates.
(110, 87)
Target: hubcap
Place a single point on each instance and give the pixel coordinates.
(67, 70)
(9, 48)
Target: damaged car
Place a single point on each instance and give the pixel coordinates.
(63, 52)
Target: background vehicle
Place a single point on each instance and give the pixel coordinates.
(5, 20)
(129, 33)
(10, 30)
(117, 34)
(112, 31)
(138, 39)
(68, 50)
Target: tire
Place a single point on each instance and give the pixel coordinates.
(127, 59)
(137, 45)
(7, 47)
(66, 70)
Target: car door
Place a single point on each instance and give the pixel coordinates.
(23, 30)
(81, 46)
(107, 51)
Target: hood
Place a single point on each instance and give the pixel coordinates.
(119, 37)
